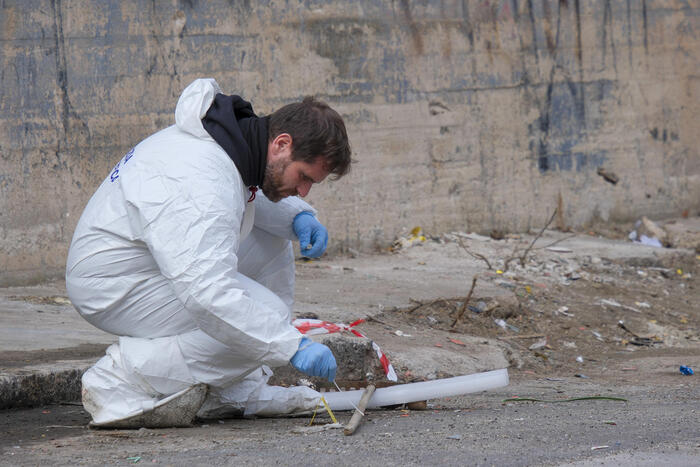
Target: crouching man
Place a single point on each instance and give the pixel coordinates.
(180, 255)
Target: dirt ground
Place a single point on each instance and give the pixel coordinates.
(566, 313)
(561, 332)
(656, 426)
(551, 328)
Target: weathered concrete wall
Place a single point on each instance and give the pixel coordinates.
(466, 115)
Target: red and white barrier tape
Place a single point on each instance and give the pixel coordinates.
(316, 326)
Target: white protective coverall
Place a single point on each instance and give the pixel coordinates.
(170, 255)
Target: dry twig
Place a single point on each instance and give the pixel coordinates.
(555, 242)
(474, 255)
(522, 258)
(529, 336)
(422, 304)
(527, 250)
(464, 305)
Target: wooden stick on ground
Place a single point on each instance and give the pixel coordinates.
(464, 305)
(359, 411)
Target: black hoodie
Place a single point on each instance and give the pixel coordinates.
(243, 135)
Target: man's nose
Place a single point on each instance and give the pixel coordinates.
(303, 189)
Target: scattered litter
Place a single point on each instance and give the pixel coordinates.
(134, 459)
(642, 304)
(644, 341)
(402, 334)
(539, 344)
(638, 340)
(650, 241)
(506, 284)
(609, 302)
(648, 233)
(501, 323)
(469, 236)
(416, 238)
(457, 437)
(438, 345)
(564, 310)
(609, 422)
(598, 335)
(432, 320)
(595, 448)
(579, 359)
(631, 368)
(305, 430)
(686, 370)
(456, 341)
(582, 376)
(559, 249)
(574, 276)
(569, 345)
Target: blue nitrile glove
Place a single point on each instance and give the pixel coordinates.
(314, 359)
(313, 236)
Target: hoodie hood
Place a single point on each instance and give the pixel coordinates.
(231, 122)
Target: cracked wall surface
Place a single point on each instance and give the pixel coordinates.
(463, 115)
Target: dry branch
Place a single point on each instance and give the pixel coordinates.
(464, 305)
(555, 242)
(474, 255)
(527, 250)
(422, 304)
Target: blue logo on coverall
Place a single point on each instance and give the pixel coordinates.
(115, 173)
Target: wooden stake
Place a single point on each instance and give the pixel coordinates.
(359, 411)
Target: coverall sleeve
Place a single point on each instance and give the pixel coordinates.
(277, 218)
(189, 215)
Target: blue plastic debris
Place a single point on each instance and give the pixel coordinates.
(686, 370)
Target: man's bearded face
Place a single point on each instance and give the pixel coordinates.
(273, 184)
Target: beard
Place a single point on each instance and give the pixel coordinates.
(272, 183)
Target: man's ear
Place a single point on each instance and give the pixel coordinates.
(282, 141)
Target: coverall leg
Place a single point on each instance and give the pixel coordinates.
(161, 351)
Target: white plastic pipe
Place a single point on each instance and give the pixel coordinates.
(412, 392)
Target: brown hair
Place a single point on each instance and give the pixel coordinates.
(316, 131)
